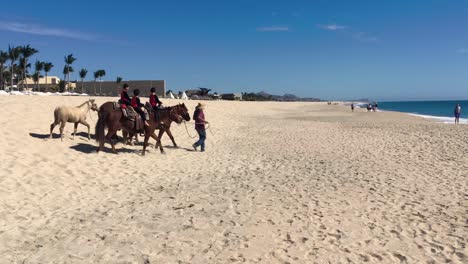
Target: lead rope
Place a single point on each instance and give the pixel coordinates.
(186, 129)
(208, 128)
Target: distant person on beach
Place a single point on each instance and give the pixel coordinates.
(138, 106)
(369, 107)
(375, 106)
(199, 118)
(352, 107)
(457, 113)
(124, 99)
(154, 100)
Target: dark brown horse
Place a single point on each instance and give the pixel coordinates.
(114, 120)
(179, 109)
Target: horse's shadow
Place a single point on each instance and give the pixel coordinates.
(89, 148)
(43, 136)
(57, 135)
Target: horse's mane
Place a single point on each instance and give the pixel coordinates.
(87, 101)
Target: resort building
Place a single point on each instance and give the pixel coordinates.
(111, 88)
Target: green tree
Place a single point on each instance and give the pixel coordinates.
(13, 55)
(69, 59)
(82, 73)
(47, 67)
(3, 60)
(61, 85)
(26, 52)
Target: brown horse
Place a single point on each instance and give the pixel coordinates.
(114, 120)
(179, 109)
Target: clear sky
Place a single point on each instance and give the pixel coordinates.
(329, 49)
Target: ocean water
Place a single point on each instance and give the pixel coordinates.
(442, 111)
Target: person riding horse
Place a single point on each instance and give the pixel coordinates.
(139, 107)
(124, 99)
(154, 100)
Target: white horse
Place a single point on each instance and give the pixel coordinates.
(77, 115)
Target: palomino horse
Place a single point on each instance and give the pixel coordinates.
(181, 110)
(77, 115)
(114, 120)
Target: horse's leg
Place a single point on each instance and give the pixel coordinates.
(145, 142)
(52, 128)
(168, 131)
(62, 126)
(83, 122)
(161, 132)
(74, 130)
(153, 135)
(110, 133)
(125, 138)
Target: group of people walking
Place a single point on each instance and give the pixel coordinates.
(198, 115)
(370, 107)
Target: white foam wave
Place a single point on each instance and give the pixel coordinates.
(443, 119)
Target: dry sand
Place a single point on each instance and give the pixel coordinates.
(279, 183)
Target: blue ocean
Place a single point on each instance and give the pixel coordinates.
(440, 110)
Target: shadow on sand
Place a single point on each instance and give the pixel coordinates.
(89, 148)
(43, 136)
(57, 135)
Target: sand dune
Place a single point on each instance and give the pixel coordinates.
(279, 183)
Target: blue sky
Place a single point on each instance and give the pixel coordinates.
(384, 50)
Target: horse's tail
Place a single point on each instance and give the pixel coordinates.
(100, 125)
(56, 115)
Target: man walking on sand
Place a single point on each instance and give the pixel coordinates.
(457, 113)
(199, 118)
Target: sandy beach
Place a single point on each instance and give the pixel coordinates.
(278, 183)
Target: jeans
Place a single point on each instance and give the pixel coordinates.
(201, 142)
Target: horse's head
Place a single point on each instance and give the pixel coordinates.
(182, 110)
(174, 116)
(94, 106)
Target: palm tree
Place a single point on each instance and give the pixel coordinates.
(82, 73)
(102, 73)
(65, 73)
(38, 67)
(3, 59)
(96, 75)
(26, 52)
(70, 70)
(118, 80)
(36, 76)
(13, 54)
(69, 59)
(23, 70)
(47, 67)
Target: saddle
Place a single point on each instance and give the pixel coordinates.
(132, 115)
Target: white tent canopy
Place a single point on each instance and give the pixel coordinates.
(184, 96)
(170, 95)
